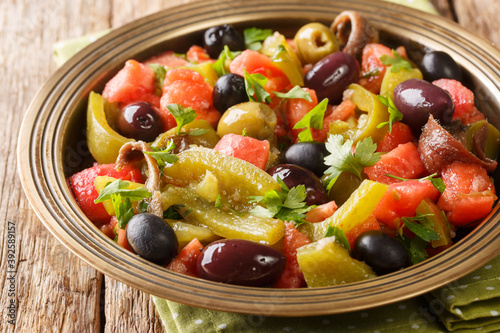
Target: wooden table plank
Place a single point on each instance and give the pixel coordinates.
(480, 17)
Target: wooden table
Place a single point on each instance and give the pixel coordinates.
(54, 290)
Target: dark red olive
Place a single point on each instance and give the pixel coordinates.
(139, 121)
(294, 175)
(241, 262)
(330, 76)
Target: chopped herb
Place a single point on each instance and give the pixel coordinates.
(421, 226)
(143, 206)
(396, 62)
(220, 65)
(415, 248)
(342, 159)
(373, 72)
(313, 119)
(287, 205)
(275, 56)
(160, 73)
(254, 37)
(394, 114)
(123, 210)
(183, 115)
(254, 86)
(162, 155)
(220, 205)
(198, 132)
(120, 187)
(437, 182)
(295, 92)
(174, 212)
(339, 236)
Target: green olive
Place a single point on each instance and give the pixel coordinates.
(253, 119)
(313, 42)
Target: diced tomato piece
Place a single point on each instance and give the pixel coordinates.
(134, 82)
(82, 186)
(121, 235)
(168, 59)
(257, 63)
(401, 133)
(371, 223)
(321, 212)
(469, 194)
(246, 148)
(189, 89)
(185, 261)
(463, 98)
(296, 109)
(292, 276)
(198, 55)
(403, 161)
(402, 200)
(370, 61)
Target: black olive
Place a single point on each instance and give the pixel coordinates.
(152, 238)
(229, 90)
(437, 65)
(309, 155)
(217, 37)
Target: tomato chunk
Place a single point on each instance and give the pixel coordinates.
(401, 133)
(370, 223)
(246, 148)
(321, 212)
(292, 276)
(402, 200)
(370, 62)
(469, 194)
(82, 186)
(403, 161)
(185, 261)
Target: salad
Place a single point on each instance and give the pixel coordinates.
(257, 160)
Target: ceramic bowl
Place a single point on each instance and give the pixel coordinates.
(52, 147)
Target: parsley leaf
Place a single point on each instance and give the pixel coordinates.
(342, 159)
(162, 155)
(220, 65)
(415, 248)
(394, 114)
(295, 92)
(287, 205)
(254, 37)
(254, 86)
(160, 73)
(183, 115)
(312, 119)
(123, 210)
(120, 187)
(396, 62)
(339, 236)
(421, 226)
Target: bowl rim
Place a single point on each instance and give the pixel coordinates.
(40, 147)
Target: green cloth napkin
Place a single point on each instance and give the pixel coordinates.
(470, 304)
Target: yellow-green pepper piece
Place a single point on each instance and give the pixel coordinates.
(327, 263)
(391, 80)
(285, 58)
(373, 113)
(206, 70)
(224, 223)
(103, 142)
(186, 232)
(353, 212)
(208, 139)
(439, 222)
(492, 144)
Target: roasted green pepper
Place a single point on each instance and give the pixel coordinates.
(491, 142)
(439, 222)
(392, 79)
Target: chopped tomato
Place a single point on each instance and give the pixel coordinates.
(189, 89)
(120, 235)
(469, 194)
(403, 161)
(185, 261)
(401, 133)
(321, 212)
(134, 82)
(370, 62)
(371, 223)
(292, 276)
(82, 186)
(198, 55)
(246, 148)
(402, 200)
(168, 59)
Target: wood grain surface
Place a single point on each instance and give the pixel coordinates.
(54, 290)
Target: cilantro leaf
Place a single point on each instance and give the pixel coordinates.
(339, 236)
(342, 159)
(394, 114)
(396, 62)
(287, 205)
(220, 65)
(254, 86)
(295, 92)
(312, 119)
(162, 155)
(254, 36)
(160, 73)
(120, 187)
(183, 115)
(421, 226)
